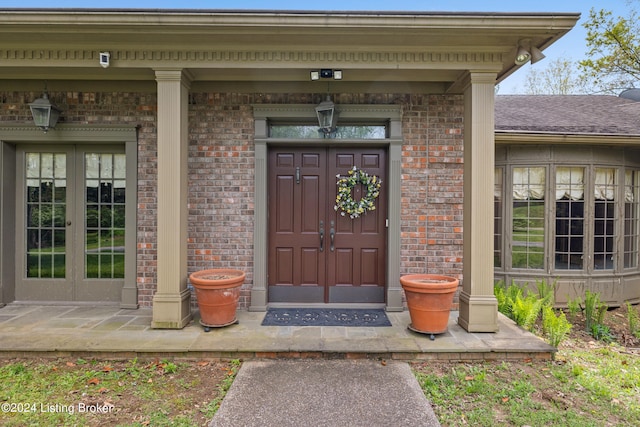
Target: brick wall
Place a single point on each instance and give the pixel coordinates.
(221, 173)
(432, 185)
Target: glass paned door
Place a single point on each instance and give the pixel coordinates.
(72, 210)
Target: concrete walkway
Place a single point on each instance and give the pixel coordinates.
(325, 393)
(106, 331)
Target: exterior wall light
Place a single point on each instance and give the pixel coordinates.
(327, 117)
(45, 115)
(527, 51)
(522, 56)
(326, 73)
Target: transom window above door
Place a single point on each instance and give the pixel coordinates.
(304, 131)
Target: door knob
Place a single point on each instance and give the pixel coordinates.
(321, 236)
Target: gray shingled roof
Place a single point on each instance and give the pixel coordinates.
(568, 114)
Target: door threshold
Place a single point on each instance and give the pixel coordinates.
(323, 305)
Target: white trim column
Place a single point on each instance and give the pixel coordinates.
(478, 305)
(171, 303)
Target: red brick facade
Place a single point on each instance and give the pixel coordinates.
(221, 173)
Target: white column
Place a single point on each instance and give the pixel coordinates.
(478, 305)
(171, 303)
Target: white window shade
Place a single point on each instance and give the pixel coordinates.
(630, 185)
(497, 188)
(604, 188)
(569, 183)
(528, 183)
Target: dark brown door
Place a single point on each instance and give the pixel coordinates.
(315, 254)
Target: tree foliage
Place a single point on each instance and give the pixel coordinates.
(613, 55)
(558, 78)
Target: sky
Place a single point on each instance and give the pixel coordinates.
(572, 46)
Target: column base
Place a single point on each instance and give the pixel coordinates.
(478, 313)
(129, 298)
(171, 311)
(394, 300)
(258, 300)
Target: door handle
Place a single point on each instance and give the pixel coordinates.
(332, 235)
(321, 236)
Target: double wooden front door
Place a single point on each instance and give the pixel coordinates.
(316, 255)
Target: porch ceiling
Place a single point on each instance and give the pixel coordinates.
(267, 46)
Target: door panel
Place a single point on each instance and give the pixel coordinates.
(357, 271)
(71, 204)
(296, 271)
(306, 264)
(45, 208)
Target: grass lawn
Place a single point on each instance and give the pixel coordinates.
(589, 383)
(66, 392)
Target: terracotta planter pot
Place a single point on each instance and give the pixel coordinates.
(429, 298)
(218, 292)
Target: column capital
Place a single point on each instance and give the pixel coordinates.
(173, 74)
(478, 77)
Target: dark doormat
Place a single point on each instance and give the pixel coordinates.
(325, 317)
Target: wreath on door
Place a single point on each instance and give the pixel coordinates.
(346, 185)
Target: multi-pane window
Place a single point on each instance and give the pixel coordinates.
(567, 218)
(631, 218)
(497, 218)
(569, 241)
(342, 132)
(527, 230)
(105, 181)
(604, 218)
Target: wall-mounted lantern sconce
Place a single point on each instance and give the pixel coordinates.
(327, 117)
(45, 115)
(326, 110)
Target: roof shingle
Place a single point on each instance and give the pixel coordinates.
(568, 114)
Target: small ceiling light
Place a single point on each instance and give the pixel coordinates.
(315, 75)
(45, 115)
(337, 74)
(327, 117)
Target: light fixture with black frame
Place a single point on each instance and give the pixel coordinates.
(45, 114)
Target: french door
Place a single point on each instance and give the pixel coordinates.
(70, 216)
(317, 255)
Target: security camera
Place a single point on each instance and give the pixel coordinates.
(104, 59)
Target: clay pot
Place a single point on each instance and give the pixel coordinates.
(218, 292)
(429, 298)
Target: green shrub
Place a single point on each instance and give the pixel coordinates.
(546, 292)
(601, 332)
(575, 307)
(594, 311)
(506, 295)
(554, 327)
(634, 320)
(526, 310)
